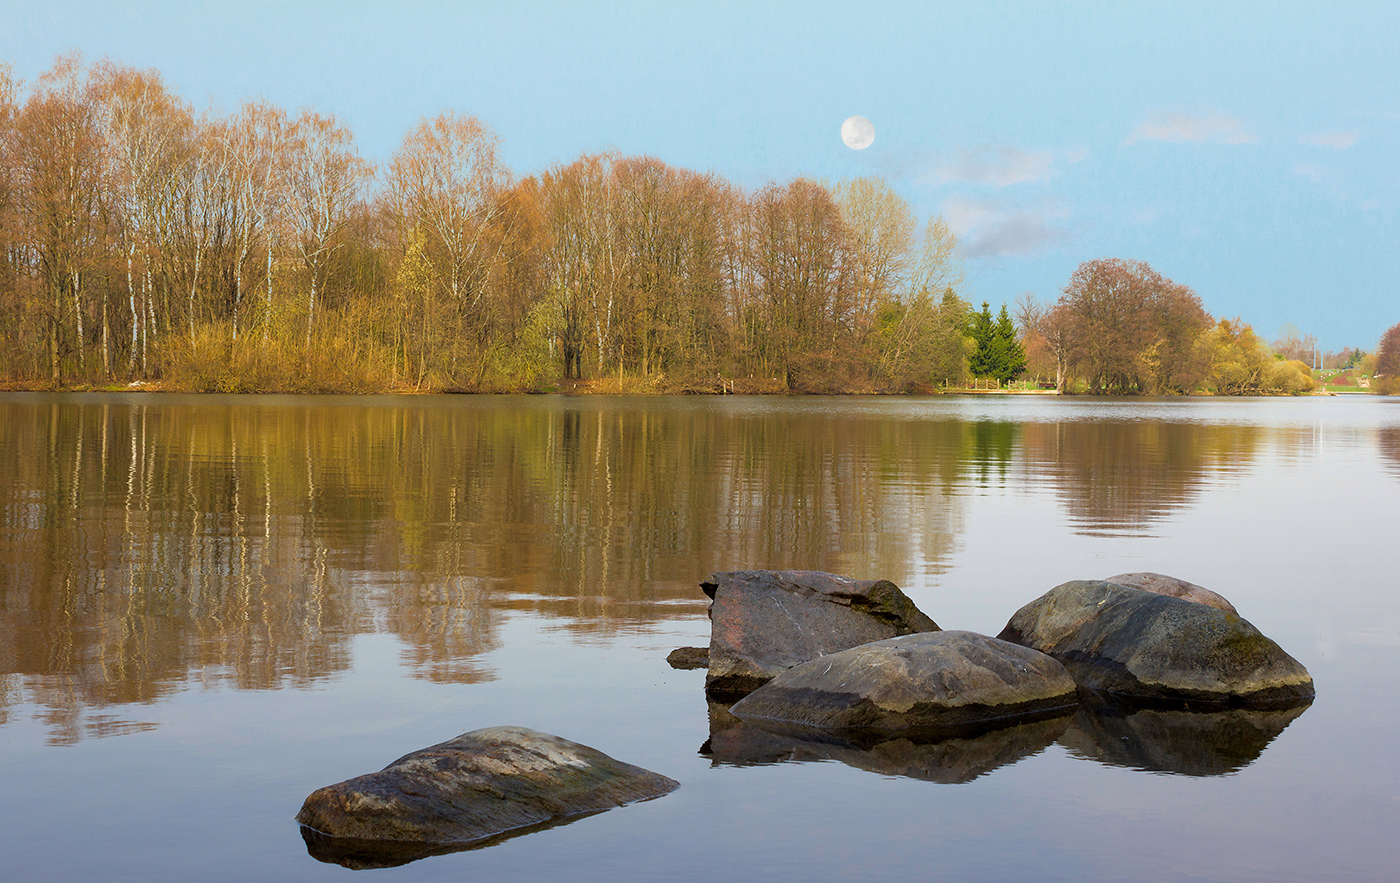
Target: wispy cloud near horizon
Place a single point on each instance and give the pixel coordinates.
(990, 228)
(1334, 140)
(1191, 128)
(999, 165)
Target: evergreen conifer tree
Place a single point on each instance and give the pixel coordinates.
(1008, 355)
(983, 332)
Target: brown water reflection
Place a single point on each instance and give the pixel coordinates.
(148, 542)
(1389, 442)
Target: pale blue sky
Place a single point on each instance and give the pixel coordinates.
(1248, 150)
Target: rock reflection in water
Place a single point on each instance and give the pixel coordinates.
(359, 854)
(951, 761)
(1163, 740)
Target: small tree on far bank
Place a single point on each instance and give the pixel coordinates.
(1388, 362)
(1008, 354)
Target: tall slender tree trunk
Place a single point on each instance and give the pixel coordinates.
(237, 294)
(267, 313)
(194, 283)
(78, 318)
(54, 326)
(135, 317)
(106, 332)
(310, 310)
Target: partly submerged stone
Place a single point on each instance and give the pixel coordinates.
(763, 622)
(1161, 740)
(1161, 584)
(1134, 643)
(476, 786)
(689, 657)
(935, 683)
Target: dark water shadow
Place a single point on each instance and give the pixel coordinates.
(950, 761)
(1173, 741)
(359, 854)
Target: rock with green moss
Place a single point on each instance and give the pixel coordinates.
(479, 785)
(1133, 643)
(763, 622)
(926, 685)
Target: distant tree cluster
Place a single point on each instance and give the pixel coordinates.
(143, 240)
(1120, 327)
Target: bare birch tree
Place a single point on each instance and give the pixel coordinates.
(326, 179)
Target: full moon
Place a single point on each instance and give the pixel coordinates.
(857, 133)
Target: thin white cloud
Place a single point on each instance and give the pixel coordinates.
(989, 228)
(1193, 128)
(1334, 140)
(999, 165)
(1309, 171)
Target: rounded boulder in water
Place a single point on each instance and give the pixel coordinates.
(930, 683)
(1138, 644)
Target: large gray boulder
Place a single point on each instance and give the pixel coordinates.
(1162, 584)
(477, 786)
(1138, 644)
(763, 622)
(935, 683)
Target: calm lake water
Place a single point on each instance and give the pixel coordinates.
(210, 607)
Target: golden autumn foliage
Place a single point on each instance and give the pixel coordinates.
(144, 242)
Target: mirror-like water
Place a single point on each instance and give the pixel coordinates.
(210, 606)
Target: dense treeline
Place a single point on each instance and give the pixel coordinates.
(143, 241)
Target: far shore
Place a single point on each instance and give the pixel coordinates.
(586, 388)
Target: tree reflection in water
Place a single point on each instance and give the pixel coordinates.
(1119, 477)
(150, 541)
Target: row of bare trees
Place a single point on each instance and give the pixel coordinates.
(129, 222)
(143, 240)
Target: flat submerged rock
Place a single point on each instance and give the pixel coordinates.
(479, 785)
(1133, 643)
(935, 683)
